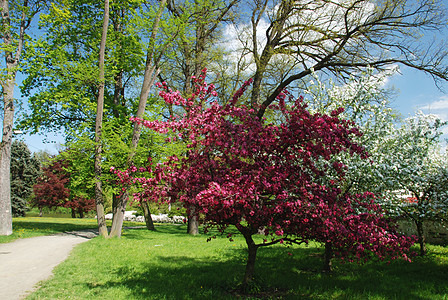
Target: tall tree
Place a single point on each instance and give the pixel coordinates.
(196, 48)
(68, 47)
(150, 75)
(62, 67)
(340, 38)
(13, 26)
(98, 128)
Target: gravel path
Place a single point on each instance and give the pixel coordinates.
(25, 262)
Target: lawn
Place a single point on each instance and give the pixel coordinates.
(168, 264)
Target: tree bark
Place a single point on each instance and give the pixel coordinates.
(328, 255)
(421, 237)
(73, 213)
(102, 228)
(5, 159)
(148, 218)
(11, 60)
(252, 255)
(118, 99)
(193, 222)
(150, 76)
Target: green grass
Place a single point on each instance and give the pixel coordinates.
(36, 226)
(168, 264)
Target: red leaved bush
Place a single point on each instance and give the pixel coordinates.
(52, 190)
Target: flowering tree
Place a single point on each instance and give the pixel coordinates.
(406, 169)
(417, 167)
(366, 104)
(242, 171)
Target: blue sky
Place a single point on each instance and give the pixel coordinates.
(417, 90)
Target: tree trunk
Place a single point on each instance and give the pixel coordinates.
(250, 266)
(73, 213)
(5, 159)
(193, 223)
(81, 213)
(102, 228)
(328, 255)
(11, 60)
(149, 77)
(147, 214)
(118, 100)
(41, 213)
(421, 237)
(118, 211)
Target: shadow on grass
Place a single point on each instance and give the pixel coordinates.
(178, 230)
(51, 226)
(422, 279)
(294, 272)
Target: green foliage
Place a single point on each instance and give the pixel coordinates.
(25, 169)
(79, 152)
(62, 66)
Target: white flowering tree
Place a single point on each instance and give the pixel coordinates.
(366, 104)
(407, 169)
(415, 172)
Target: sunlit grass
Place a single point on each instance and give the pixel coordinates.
(37, 226)
(168, 264)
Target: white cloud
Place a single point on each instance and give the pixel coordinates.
(441, 104)
(438, 108)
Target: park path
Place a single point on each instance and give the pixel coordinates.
(25, 262)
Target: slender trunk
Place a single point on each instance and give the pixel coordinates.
(328, 255)
(421, 237)
(81, 213)
(118, 94)
(41, 213)
(250, 266)
(147, 214)
(118, 99)
(102, 228)
(193, 222)
(73, 213)
(149, 77)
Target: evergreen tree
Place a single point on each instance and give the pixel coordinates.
(25, 168)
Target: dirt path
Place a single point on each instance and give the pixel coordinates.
(25, 262)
